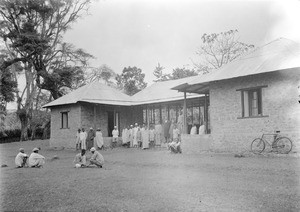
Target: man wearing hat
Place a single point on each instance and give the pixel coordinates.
(36, 160)
(115, 134)
(96, 159)
(21, 159)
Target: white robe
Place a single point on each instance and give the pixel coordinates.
(135, 142)
(193, 130)
(158, 134)
(145, 139)
(202, 129)
(83, 136)
(36, 159)
(19, 158)
(124, 136)
(98, 140)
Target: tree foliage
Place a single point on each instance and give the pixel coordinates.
(131, 80)
(104, 72)
(218, 49)
(177, 73)
(33, 30)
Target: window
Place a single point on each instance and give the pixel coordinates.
(64, 120)
(252, 102)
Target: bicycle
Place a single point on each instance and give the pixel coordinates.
(280, 144)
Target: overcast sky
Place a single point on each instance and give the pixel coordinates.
(122, 33)
(143, 33)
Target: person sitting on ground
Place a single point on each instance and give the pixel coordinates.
(21, 159)
(96, 159)
(80, 159)
(193, 130)
(36, 160)
(202, 129)
(115, 135)
(174, 146)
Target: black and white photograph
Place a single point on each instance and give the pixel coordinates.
(150, 105)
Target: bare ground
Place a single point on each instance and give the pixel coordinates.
(149, 180)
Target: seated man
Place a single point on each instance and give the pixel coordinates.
(36, 160)
(96, 159)
(175, 147)
(21, 159)
(80, 159)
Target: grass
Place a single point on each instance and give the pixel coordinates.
(149, 180)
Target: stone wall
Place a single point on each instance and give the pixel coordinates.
(64, 137)
(280, 107)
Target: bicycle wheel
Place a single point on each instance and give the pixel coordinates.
(258, 145)
(283, 145)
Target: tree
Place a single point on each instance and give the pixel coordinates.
(131, 80)
(218, 49)
(32, 31)
(104, 72)
(177, 73)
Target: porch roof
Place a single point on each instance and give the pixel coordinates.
(280, 54)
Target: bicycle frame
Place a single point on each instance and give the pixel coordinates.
(275, 136)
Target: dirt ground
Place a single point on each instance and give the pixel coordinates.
(149, 180)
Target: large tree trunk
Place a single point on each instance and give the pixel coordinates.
(24, 119)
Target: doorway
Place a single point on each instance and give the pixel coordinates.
(110, 123)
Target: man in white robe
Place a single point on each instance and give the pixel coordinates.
(115, 136)
(98, 140)
(21, 159)
(158, 134)
(145, 138)
(36, 160)
(82, 137)
(193, 130)
(135, 130)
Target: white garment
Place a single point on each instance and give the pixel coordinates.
(115, 133)
(135, 130)
(79, 159)
(82, 137)
(19, 158)
(36, 159)
(125, 136)
(193, 130)
(202, 130)
(145, 139)
(98, 140)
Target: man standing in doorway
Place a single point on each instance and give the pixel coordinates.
(115, 134)
(90, 138)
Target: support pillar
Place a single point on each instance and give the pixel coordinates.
(95, 114)
(205, 112)
(184, 115)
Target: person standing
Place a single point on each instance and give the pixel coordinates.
(90, 138)
(145, 138)
(115, 136)
(82, 137)
(166, 129)
(158, 134)
(152, 136)
(21, 159)
(35, 159)
(180, 122)
(171, 130)
(96, 158)
(139, 137)
(78, 145)
(129, 136)
(98, 140)
(135, 130)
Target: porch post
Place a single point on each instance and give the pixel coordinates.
(160, 115)
(95, 116)
(205, 112)
(184, 115)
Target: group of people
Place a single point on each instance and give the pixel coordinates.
(201, 129)
(35, 160)
(144, 137)
(87, 140)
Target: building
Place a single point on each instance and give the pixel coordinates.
(99, 106)
(255, 94)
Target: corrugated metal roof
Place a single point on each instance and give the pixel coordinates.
(99, 93)
(93, 92)
(277, 55)
(162, 92)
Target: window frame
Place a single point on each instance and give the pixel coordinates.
(251, 90)
(62, 120)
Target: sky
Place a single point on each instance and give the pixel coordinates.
(143, 33)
